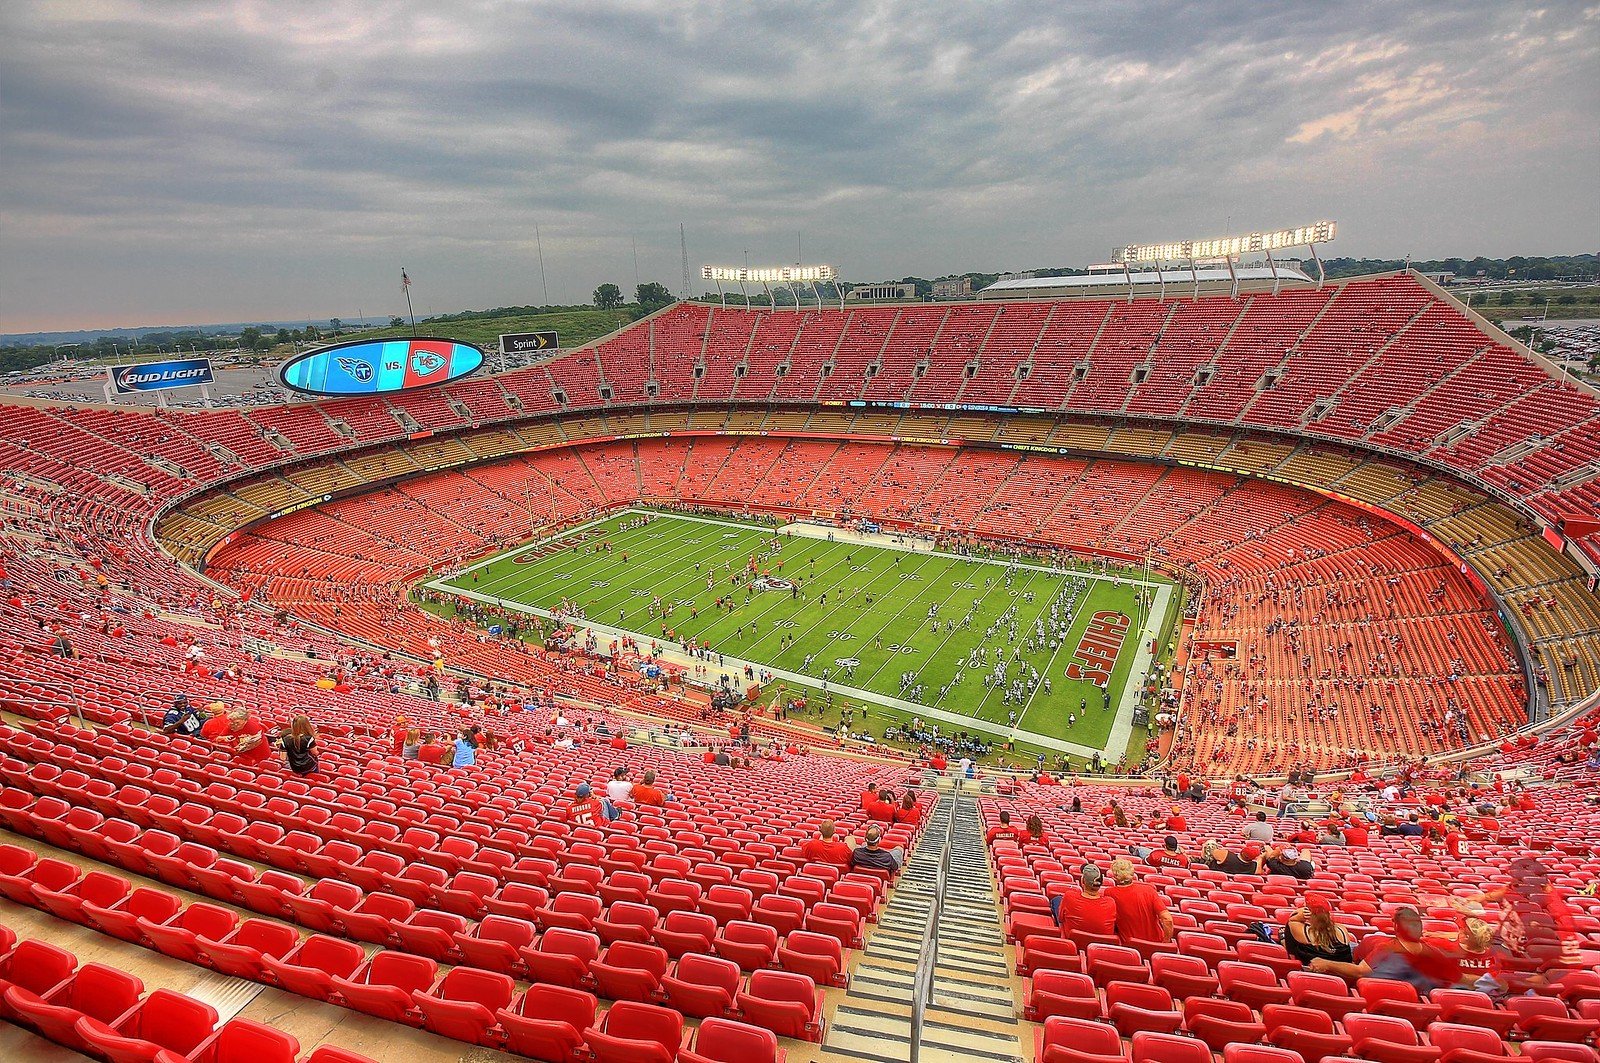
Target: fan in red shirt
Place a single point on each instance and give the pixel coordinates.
(1176, 824)
(1085, 910)
(397, 736)
(825, 848)
(646, 793)
(240, 732)
(869, 796)
(908, 811)
(1141, 913)
(1003, 829)
(432, 750)
(882, 809)
(584, 811)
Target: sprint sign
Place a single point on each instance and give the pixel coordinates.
(1097, 651)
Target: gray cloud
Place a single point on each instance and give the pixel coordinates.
(171, 161)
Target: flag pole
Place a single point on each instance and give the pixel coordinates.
(405, 286)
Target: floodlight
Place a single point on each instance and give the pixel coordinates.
(769, 274)
(1223, 247)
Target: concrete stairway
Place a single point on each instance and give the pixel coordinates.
(971, 1014)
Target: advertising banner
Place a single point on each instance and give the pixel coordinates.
(527, 342)
(158, 376)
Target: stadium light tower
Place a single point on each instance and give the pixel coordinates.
(767, 276)
(1228, 248)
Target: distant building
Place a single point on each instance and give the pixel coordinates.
(863, 293)
(1439, 277)
(953, 288)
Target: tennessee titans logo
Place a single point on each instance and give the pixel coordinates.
(356, 369)
(424, 363)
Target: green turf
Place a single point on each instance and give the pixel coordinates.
(891, 635)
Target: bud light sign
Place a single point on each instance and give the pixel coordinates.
(365, 367)
(158, 376)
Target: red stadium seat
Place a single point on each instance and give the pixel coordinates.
(310, 968)
(702, 986)
(629, 970)
(93, 990)
(496, 943)
(632, 1032)
(464, 1003)
(1067, 1040)
(789, 1005)
(750, 945)
(383, 986)
(547, 1022)
(724, 1041)
(162, 1020)
(562, 957)
(245, 1041)
(817, 956)
(240, 954)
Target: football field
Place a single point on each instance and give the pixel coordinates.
(1007, 647)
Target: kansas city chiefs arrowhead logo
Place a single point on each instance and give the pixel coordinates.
(357, 369)
(424, 363)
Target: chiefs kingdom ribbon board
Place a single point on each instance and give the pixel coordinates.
(367, 367)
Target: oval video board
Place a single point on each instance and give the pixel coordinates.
(365, 367)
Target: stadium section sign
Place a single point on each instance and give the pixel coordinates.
(159, 376)
(367, 367)
(527, 342)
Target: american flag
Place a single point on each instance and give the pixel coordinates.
(405, 281)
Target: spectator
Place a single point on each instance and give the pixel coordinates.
(619, 792)
(1035, 830)
(1087, 909)
(182, 718)
(646, 793)
(1408, 957)
(1538, 939)
(1284, 860)
(1355, 833)
(1476, 955)
(299, 746)
(1312, 935)
(412, 750)
(242, 733)
(1141, 913)
(869, 795)
(908, 811)
(465, 754)
(870, 856)
(1258, 830)
(397, 736)
(882, 810)
(1168, 855)
(1175, 823)
(1003, 829)
(1218, 858)
(825, 848)
(1285, 799)
(1331, 835)
(584, 810)
(432, 750)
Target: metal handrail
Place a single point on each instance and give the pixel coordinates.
(922, 984)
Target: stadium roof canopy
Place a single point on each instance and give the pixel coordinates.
(1210, 279)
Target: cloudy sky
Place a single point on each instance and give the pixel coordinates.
(224, 161)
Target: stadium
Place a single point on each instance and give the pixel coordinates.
(1325, 552)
